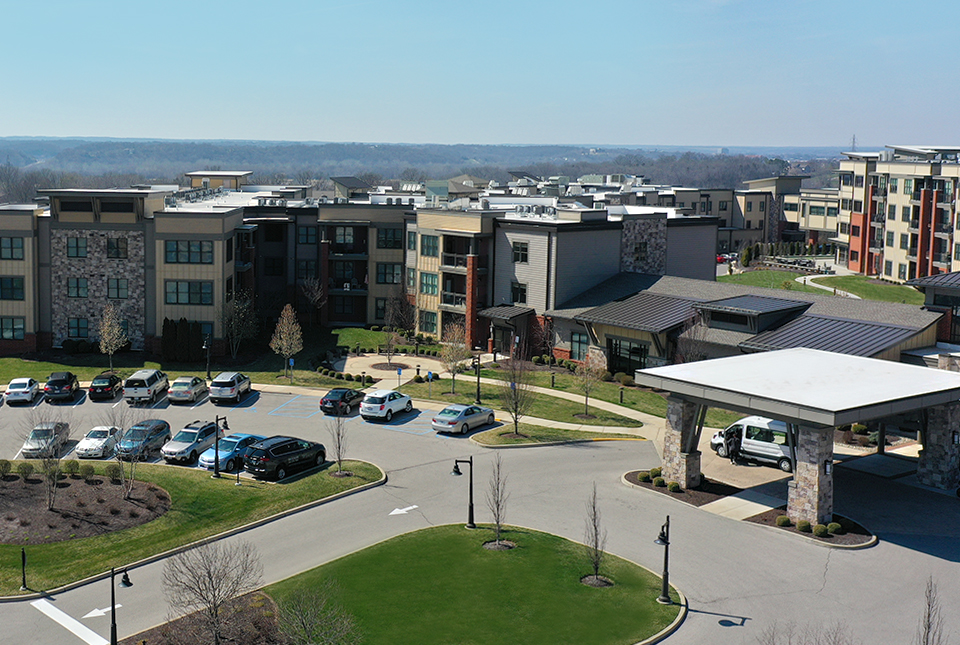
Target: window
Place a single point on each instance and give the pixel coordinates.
(389, 273)
(76, 287)
(790, 206)
(117, 247)
(846, 179)
(763, 206)
(11, 328)
(890, 238)
(904, 241)
(342, 271)
(428, 283)
(228, 252)
(956, 251)
(891, 212)
(845, 204)
(817, 211)
(411, 240)
(831, 211)
(189, 293)
(306, 269)
(723, 206)
(11, 288)
(429, 245)
(905, 214)
(306, 235)
(11, 248)
(187, 252)
(380, 308)
(77, 328)
(389, 238)
(579, 342)
(428, 322)
(857, 206)
(892, 187)
(749, 207)
(342, 305)
(116, 207)
(411, 279)
(854, 230)
(520, 252)
(273, 266)
(907, 186)
(343, 235)
(518, 293)
(902, 268)
(117, 288)
(844, 228)
(229, 289)
(640, 251)
(858, 181)
(854, 256)
(76, 247)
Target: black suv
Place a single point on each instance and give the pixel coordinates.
(105, 386)
(341, 400)
(61, 385)
(143, 438)
(277, 456)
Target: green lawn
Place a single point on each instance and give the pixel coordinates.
(870, 289)
(201, 507)
(439, 585)
(770, 279)
(544, 406)
(503, 435)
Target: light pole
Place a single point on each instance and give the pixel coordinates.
(456, 471)
(476, 367)
(216, 446)
(664, 540)
(125, 583)
(23, 569)
(206, 347)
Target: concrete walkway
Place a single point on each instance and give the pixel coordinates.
(808, 280)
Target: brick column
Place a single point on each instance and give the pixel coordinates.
(810, 494)
(470, 317)
(325, 280)
(940, 458)
(679, 466)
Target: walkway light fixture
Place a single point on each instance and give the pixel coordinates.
(124, 583)
(216, 446)
(456, 472)
(828, 467)
(664, 540)
(476, 368)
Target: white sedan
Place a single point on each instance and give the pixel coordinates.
(383, 404)
(98, 443)
(22, 390)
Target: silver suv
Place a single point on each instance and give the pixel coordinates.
(187, 444)
(229, 386)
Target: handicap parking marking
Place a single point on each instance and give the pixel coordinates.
(417, 423)
(300, 407)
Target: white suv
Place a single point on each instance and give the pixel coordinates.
(229, 386)
(383, 404)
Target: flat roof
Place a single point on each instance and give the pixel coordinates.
(218, 173)
(800, 386)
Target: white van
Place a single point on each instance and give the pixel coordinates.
(761, 439)
(144, 385)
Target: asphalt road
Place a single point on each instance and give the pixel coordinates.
(739, 578)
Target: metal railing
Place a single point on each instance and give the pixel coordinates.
(453, 299)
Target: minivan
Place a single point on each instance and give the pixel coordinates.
(144, 385)
(761, 439)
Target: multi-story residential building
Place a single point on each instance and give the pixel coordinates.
(813, 215)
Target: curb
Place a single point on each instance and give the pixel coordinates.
(213, 538)
(550, 443)
(667, 631)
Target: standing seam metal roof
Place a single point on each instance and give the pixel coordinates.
(853, 337)
(644, 311)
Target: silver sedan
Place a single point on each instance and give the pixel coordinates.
(187, 389)
(462, 418)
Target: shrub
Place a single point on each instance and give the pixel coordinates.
(655, 472)
(644, 475)
(69, 346)
(339, 376)
(348, 377)
(495, 366)
(536, 360)
(71, 467)
(374, 327)
(628, 382)
(86, 471)
(835, 528)
(820, 530)
(618, 376)
(5, 467)
(83, 347)
(803, 526)
(387, 328)
(607, 376)
(114, 472)
(859, 428)
(418, 379)
(673, 487)
(24, 469)
(783, 520)
(659, 482)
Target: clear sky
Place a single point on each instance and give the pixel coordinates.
(667, 72)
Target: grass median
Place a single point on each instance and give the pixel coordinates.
(440, 585)
(200, 507)
(533, 434)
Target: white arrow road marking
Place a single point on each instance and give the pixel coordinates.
(101, 612)
(403, 511)
(69, 623)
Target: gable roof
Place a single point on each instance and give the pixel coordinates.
(644, 311)
(853, 337)
(951, 280)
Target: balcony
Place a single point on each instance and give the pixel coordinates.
(942, 229)
(912, 253)
(876, 246)
(459, 261)
(348, 249)
(879, 193)
(915, 196)
(945, 200)
(942, 259)
(914, 226)
(453, 299)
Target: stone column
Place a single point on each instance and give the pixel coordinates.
(940, 458)
(679, 466)
(810, 494)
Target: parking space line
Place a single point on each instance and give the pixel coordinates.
(306, 409)
(69, 623)
(197, 404)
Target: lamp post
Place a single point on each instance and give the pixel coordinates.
(126, 584)
(476, 367)
(23, 569)
(206, 347)
(216, 446)
(664, 540)
(456, 471)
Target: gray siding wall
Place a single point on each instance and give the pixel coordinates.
(584, 259)
(533, 273)
(691, 252)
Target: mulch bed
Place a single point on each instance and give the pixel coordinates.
(82, 509)
(853, 534)
(708, 490)
(389, 367)
(503, 545)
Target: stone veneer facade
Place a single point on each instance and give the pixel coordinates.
(652, 232)
(940, 458)
(681, 467)
(810, 494)
(97, 268)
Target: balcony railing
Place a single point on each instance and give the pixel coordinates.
(941, 258)
(943, 227)
(460, 260)
(914, 224)
(912, 253)
(453, 299)
(348, 249)
(879, 192)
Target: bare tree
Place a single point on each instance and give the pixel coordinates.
(930, 626)
(123, 417)
(454, 351)
(588, 374)
(112, 336)
(516, 390)
(44, 419)
(390, 342)
(337, 427)
(595, 534)
(792, 634)
(497, 496)
(238, 320)
(287, 338)
(314, 616)
(204, 578)
(315, 293)
(400, 314)
(544, 337)
(692, 342)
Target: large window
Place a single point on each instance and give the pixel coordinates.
(185, 292)
(521, 252)
(76, 247)
(888, 268)
(188, 252)
(117, 288)
(380, 308)
(342, 305)
(428, 322)
(579, 342)
(518, 293)
(343, 235)
(831, 211)
(11, 288)
(11, 328)
(429, 245)
(902, 268)
(890, 238)
(388, 273)
(11, 248)
(904, 241)
(429, 283)
(626, 356)
(818, 211)
(306, 269)
(117, 247)
(411, 240)
(77, 328)
(411, 279)
(77, 287)
(306, 235)
(892, 186)
(389, 238)
(907, 186)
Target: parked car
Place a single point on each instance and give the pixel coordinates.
(186, 389)
(22, 390)
(462, 418)
(98, 443)
(761, 439)
(341, 400)
(721, 259)
(143, 438)
(233, 448)
(383, 404)
(61, 386)
(278, 456)
(46, 440)
(105, 386)
(144, 385)
(229, 386)
(187, 444)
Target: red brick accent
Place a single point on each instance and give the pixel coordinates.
(44, 340)
(28, 344)
(561, 354)
(472, 324)
(945, 324)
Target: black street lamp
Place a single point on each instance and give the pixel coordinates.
(664, 540)
(476, 367)
(23, 569)
(207, 343)
(216, 446)
(125, 583)
(456, 471)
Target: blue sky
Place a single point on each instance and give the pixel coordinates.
(635, 72)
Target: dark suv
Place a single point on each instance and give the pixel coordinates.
(341, 400)
(61, 385)
(143, 438)
(277, 456)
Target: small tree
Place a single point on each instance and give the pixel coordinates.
(746, 256)
(238, 319)
(112, 336)
(595, 534)
(183, 340)
(287, 338)
(516, 390)
(930, 625)
(168, 342)
(313, 290)
(497, 496)
(588, 374)
(692, 342)
(337, 427)
(5, 467)
(123, 417)
(204, 578)
(454, 351)
(400, 314)
(390, 342)
(51, 471)
(314, 616)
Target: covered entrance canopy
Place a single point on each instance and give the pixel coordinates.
(509, 325)
(812, 391)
